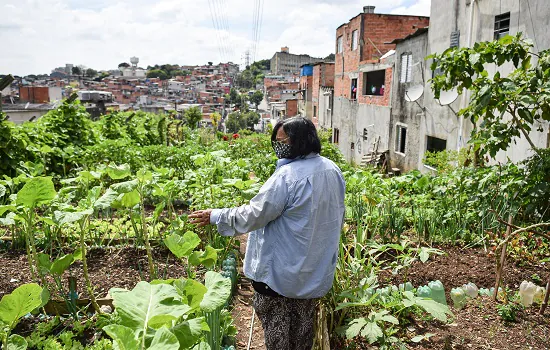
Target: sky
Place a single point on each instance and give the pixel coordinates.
(39, 35)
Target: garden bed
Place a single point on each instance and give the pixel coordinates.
(477, 326)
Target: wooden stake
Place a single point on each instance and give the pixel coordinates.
(545, 303)
(500, 266)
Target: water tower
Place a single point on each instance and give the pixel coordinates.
(134, 61)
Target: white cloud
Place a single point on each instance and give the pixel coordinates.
(41, 35)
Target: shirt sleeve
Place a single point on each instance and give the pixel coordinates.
(266, 206)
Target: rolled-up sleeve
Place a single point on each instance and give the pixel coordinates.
(265, 207)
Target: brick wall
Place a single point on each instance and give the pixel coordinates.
(291, 108)
(34, 94)
(378, 29)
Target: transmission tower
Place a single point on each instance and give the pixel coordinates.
(247, 58)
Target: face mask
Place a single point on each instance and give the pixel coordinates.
(282, 150)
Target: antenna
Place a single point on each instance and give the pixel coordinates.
(448, 97)
(413, 93)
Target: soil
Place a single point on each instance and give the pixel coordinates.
(477, 326)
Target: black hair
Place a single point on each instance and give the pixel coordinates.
(302, 134)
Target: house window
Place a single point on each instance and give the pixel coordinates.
(502, 25)
(400, 138)
(373, 83)
(406, 67)
(340, 45)
(435, 144)
(336, 136)
(354, 40)
(353, 89)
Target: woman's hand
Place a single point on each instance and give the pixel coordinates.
(200, 217)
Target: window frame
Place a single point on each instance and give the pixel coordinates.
(399, 127)
(405, 75)
(500, 30)
(354, 40)
(364, 88)
(340, 44)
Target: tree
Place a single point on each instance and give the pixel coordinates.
(193, 115)
(235, 122)
(251, 119)
(330, 57)
(90, 73)
(216, 117)
(210, 63)
(233, 96)
(123, 65)
(502, 108)
(157, 73)
(257, 98)
(76, 70)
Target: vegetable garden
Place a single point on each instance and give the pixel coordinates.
(97, 251)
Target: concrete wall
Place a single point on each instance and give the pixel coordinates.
(21, 116)
(350, 118)
(532, 18)
(437, 121)
(326, 95)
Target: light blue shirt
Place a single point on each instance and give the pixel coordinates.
(294, 222)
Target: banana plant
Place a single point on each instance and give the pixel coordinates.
(23, 300)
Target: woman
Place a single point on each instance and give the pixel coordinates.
(294, 223)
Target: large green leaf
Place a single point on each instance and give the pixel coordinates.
(125, 187)
(124, 338)
(355, 327)
(437, 310)
(20, 302)
(218, 291)
(36, 191)
(147, 302)
(127, 200)
(165, 340)
(5, 208)
(107, 199)
(188, 332)
(182, 246)
(372, 332)
(192, 291)
(17, 342)
(8, 220)
(66, 217)
(60, 265)
(207, 258)
(117, 172)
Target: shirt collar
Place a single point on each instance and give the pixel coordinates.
(285, 161)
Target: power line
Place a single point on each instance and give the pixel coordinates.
(214, 24)
(259, 29)
(221, 26)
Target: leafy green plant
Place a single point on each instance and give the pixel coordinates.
(508, 311)
(168, 314)
(56, 270)
(23, 300)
